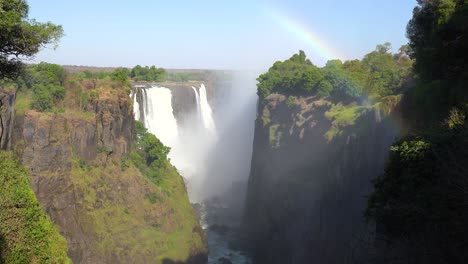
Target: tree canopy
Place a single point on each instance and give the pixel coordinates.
(149, 74)
(379, 73)
(21, 37)
(420, 201)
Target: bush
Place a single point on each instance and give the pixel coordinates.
(27, 235)
(45, 97)
(291, 102)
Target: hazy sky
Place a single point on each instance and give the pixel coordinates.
(217, 34)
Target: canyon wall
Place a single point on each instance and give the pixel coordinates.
(108, 211)
(7, 110)
(312, 166)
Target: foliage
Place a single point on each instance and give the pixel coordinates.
(149, 74)
(291, 102)
(438, 39)
(420, 200)
(275, 135)
(21, 37)
(92, 75)
(27, 234)
(379, 74)
(324, 88)
(189, 76)
(84, 100)
(341, 117)
(291, 76)
(151, 155)
(421, 197)
(120, 75)
(42, 73)
(45, 97)
(338, 83)
(387, 73)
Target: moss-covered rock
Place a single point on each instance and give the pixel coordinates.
(27, 235)
(104, 205)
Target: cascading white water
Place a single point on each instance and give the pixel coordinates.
(197, 97)
(136, 106)
(206, 112)
(212, 168)
(159, 119)
(190, 142)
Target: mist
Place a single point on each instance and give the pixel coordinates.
(229, 160)
(211, 139)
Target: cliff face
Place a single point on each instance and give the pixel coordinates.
(106, 209)
(7, 102)
(312, 167)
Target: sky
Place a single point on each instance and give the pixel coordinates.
(218, 34)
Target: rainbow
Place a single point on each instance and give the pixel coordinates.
(317, 44)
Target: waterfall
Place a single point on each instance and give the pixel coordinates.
(197, 97)
(136, 105)
(206, 112)
(190, 141)
(215, 171)
(158, 114)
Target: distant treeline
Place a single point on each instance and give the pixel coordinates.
(146, 74)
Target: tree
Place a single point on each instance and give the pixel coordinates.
(120, 75)
(295, 75)
(21, 37)
(438, 36)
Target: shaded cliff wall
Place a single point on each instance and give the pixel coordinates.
(309, 179)
(105, 208)
(7, 110)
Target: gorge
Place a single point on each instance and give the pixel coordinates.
(345, 161)
(200, 139)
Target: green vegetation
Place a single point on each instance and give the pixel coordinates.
(343, 116)
(21, 37)
(27, 235)
(149, 74)
(120, 75)
(295, 75)
(379, 74)
(150, 156)
(291, 102)
(191, 76)
(42, 84)
(275, 135)
(419, 203)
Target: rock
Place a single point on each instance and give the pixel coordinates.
(224, 260)
(7, 111)
(220, 229)
(306, 193)
(101, 209)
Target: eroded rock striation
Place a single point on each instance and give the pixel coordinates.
(106, 209)
(312, 166)
(7, 110)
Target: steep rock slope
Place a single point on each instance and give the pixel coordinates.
(312, 166)
(108, 211)
(27, 235)
(7, 99)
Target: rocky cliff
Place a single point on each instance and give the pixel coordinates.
(312, 166)
(7, 99)
(108, 211)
